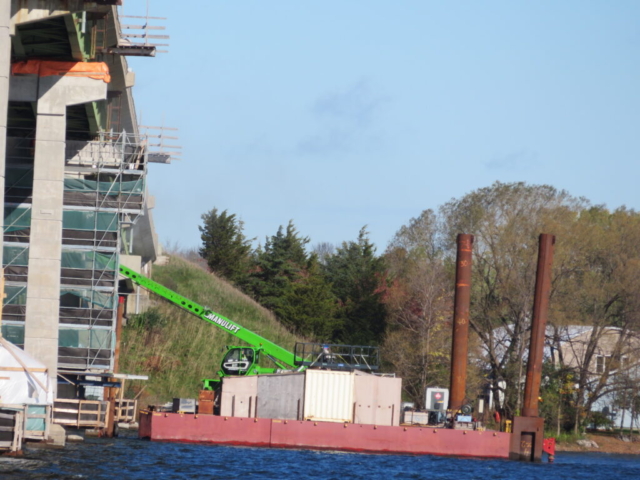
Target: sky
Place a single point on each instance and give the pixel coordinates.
(338, 114)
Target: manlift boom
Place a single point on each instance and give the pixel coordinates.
(238, 360)
(245, 360)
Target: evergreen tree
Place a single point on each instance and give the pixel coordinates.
(289, 282)
(224, 246)
(310, 308)
(357, 277)
(276, 268)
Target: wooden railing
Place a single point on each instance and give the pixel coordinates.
(11, 429)
(80, 413)
(126, 410)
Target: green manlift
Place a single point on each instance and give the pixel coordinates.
(245, 360)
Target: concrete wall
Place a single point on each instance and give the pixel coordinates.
(140, 301)
(142, 235)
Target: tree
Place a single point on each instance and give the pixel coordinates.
(597, 286)
(418, 301)
(224, 246)
(289, 282)
(358, 279)
(324, 250)
(506, 220)
(277, 267)
(310, 307)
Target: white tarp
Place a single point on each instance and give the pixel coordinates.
(19, 386)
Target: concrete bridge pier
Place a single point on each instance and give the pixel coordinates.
(52, 94)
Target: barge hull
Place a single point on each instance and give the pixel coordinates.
(258, 432)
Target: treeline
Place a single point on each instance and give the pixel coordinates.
(328, 294)
(402, 299)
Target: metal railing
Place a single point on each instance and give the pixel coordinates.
(337, 357)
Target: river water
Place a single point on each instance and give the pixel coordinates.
(130, 458)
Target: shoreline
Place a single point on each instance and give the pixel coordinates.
(606, 444)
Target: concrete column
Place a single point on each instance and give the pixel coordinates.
(5, 68)
(53, 94)
(45, 250)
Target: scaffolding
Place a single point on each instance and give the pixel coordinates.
(17, 229)
(104, 188)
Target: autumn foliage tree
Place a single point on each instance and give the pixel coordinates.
(506, 220)
(417, 344)
(595, 284)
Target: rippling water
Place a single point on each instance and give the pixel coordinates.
(130, 458)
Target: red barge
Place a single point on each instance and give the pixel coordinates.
(264, 432)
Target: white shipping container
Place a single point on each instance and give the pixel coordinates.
(328, 396)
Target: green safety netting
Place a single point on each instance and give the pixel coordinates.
(88, 260)
(15, 256)
(92, 298)
(13, 333)
(15, 295)
(110, 188)
(18, 177)
(81, 338)
(19, 218)
(103, 221)
(16, 218)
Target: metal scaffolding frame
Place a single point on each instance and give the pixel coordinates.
(104, 186)
(105, 180)
(16, 226)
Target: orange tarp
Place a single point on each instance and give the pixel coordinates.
(45, 68)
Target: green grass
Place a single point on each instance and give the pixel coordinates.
(177, 349)
(564, 437)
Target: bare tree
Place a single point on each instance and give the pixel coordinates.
(419, 305)
(324, 250)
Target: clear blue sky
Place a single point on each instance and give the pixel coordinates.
(344, 113)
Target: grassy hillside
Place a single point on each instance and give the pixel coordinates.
(175, 348)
